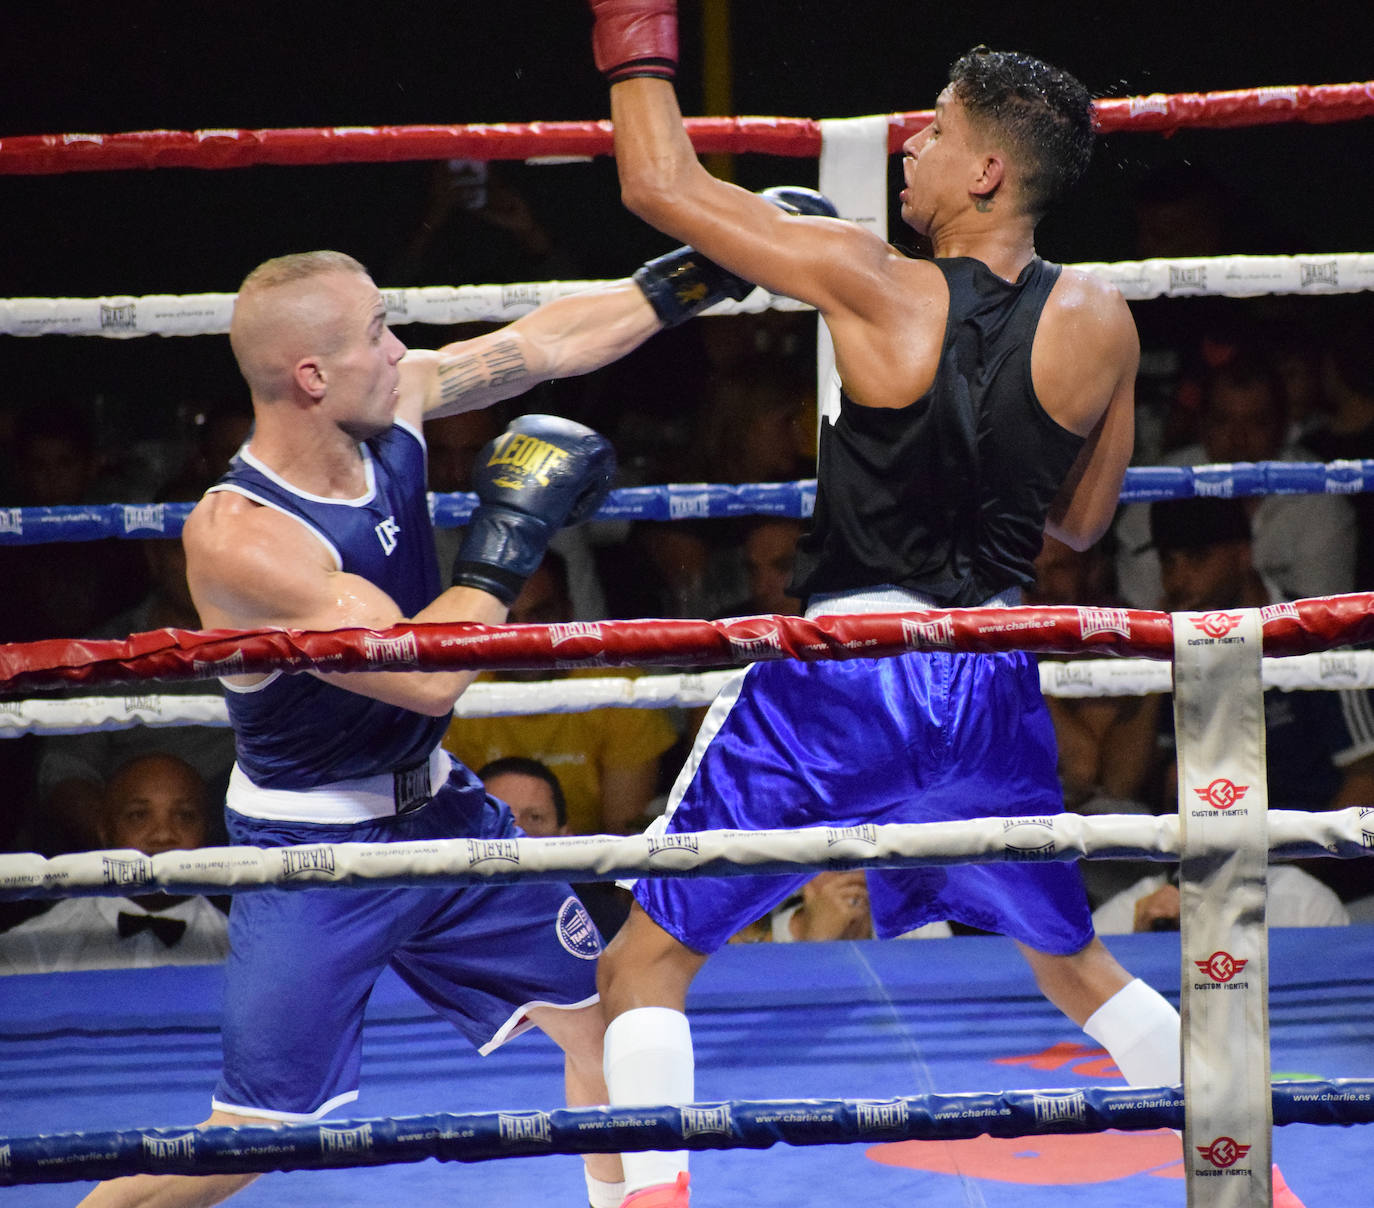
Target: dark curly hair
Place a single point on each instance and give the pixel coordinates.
(1043, 113)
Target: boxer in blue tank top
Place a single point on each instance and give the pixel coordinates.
(987, 398)
(322, 523)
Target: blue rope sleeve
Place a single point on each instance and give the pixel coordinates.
(682, 501)
(739, 1124)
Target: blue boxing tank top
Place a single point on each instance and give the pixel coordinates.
(948, 495)
(296, 731)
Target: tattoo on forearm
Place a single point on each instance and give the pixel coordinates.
(497, 366)
(505, 363)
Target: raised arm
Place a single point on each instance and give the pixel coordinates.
(829, 264)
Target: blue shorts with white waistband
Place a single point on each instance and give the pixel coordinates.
(922, 737)
(302, 962)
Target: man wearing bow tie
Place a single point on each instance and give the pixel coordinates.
(153, 804)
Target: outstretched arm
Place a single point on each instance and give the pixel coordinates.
(563, 338)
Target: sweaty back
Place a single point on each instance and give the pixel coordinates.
(948, 495)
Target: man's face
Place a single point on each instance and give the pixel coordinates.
(1242, 423)
(53, 472)
(1206, 579)
(1059, 577)
(362, 367)
(769, 552)
(531, 802)
(936, 166)
(153, 806)
(453, 442)
(541, 601)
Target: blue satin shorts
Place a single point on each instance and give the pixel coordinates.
(302, 962)
(921, 737)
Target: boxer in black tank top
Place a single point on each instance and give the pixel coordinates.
(988, 398)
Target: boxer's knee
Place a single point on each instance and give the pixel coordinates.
(644, 966)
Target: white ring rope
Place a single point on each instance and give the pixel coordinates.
(1293, 834)
(125, 315)
(1072, 679)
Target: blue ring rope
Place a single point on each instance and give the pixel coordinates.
(737, 1124)
(679, 501)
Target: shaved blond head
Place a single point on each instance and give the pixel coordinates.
(284, 312)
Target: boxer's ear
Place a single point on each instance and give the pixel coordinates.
(988, 178)
(311, 377)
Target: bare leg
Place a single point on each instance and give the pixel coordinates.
(1133, 1022)
(579, 1034)
(644, 966)
(1079, 983)
(643, 976)
(175, 1190)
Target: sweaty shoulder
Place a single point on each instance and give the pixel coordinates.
(243, 560)
(1086, 349)
(887, 351)
(1084, 306)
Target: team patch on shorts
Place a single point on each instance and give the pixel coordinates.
(576, 931)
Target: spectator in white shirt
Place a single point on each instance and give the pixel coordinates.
(153, 804)
(1295, 899)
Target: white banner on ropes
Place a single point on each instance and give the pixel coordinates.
(853, 174)
(1223, 816)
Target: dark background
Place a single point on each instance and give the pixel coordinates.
(78, 67)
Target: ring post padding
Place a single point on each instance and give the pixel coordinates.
(852, 172)
(1223, 818)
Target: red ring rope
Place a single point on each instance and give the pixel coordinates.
(1308, 625)
(46, 154)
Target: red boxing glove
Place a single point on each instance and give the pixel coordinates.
(635, 38)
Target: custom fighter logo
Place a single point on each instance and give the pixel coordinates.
(1216, 624)
(1221, 794)
(1221, 966)
(1223, 1152)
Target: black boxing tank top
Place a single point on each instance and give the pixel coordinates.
(948, 495)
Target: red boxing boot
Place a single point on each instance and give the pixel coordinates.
(635, 38)
(664, 1195)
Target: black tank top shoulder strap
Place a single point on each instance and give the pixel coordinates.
(970, 278)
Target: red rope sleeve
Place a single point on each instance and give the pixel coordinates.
(1308, 625)
(46, 154)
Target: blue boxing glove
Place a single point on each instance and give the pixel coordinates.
(541, 474)
(682, 283)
